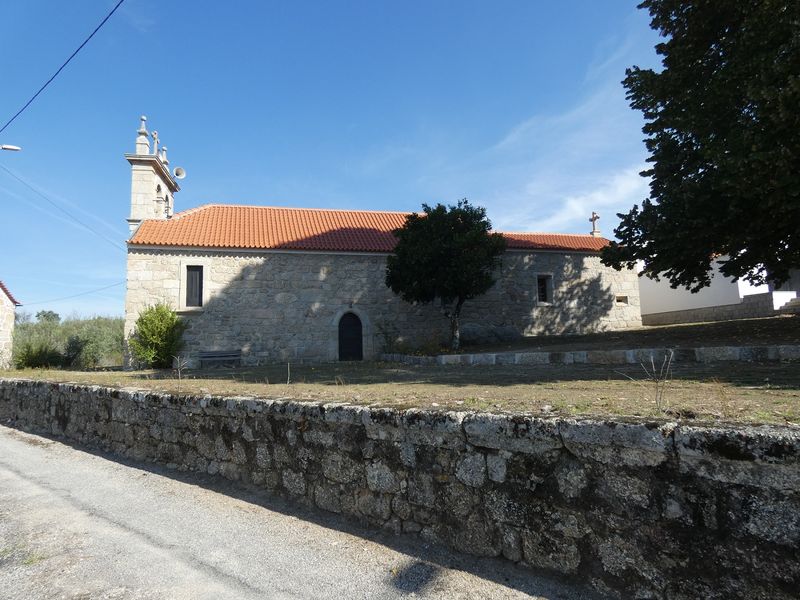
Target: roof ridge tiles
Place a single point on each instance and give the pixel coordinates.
(587, 235)
(291, 208)
(187, 212)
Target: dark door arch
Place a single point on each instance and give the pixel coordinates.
(350, 339)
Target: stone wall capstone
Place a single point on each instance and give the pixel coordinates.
(281, 306)
(637, 509)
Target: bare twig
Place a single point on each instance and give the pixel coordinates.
(660, 378)
(625, 375)
(180, 364)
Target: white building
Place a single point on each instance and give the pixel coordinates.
(7, 305)
(724, 299)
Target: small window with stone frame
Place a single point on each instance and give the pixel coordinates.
(544, 289)
(194, 286)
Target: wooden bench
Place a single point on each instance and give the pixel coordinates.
(221, 358)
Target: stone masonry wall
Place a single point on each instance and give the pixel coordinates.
(639, 510)
(6, 330)
(752, 306)
(286, 306)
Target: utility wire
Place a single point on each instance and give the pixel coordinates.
(75, 295)
(31, 187)
(66, 202)
(41, 89)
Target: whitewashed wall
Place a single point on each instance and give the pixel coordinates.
(6, 330)
(658, 296)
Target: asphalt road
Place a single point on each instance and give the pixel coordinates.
(81, 525)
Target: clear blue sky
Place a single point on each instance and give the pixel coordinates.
(351, 104)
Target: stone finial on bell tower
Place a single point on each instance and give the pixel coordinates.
(142, 139)
(152, 185)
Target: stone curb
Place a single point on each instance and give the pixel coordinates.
(607, 357)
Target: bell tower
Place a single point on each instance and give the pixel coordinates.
(153, 187)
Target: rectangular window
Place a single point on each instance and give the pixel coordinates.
(194, 286)
(622, 300)
(544, 288)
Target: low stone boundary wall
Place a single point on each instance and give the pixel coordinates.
(605, 357)
(639, 510)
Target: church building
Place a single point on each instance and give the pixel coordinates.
(274, 284)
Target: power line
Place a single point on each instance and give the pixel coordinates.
(31, 187)
(36, 206)
(41, 89)
(75, 295)
(67, 203)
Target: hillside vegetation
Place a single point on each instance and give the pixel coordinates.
(78, 343)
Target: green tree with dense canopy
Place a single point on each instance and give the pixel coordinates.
(157, 337)
(447, 254)
(723, 132)
(48, 316)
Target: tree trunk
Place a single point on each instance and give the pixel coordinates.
(455, 331)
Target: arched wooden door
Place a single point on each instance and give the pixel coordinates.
(350, 338)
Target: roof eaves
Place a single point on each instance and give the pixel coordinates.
(14, 301)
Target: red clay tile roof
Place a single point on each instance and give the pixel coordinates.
(555, 241)
(7, 293)
(272, 228)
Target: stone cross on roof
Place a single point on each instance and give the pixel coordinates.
(595, 217)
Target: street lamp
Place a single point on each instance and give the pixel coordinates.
(10, 147)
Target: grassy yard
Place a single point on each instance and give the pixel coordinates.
(725, 392)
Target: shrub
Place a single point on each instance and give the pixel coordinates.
(36, 355)
(157, 336)
(93, 342)
(82, 351)
(73, 349)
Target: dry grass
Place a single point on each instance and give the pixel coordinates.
(726, 392)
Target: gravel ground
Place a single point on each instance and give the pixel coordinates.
(82, 525)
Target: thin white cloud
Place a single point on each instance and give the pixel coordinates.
(549, 171)
(138, 17)
(624, 188)
(539, 126)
